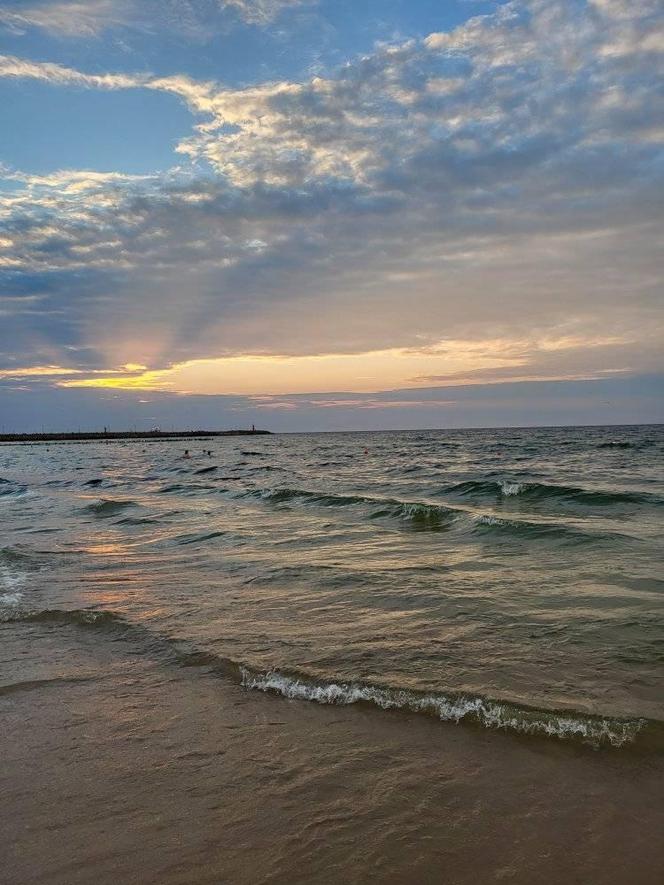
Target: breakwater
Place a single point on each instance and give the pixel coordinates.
(80, 436)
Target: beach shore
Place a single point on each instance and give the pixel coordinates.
(121, 766)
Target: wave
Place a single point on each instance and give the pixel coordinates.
(538, 491)
(488, 524)
(452, 707)
(210, 469)
(189, 488)
(622, 444)
(281, 496)
(430, 517)
(22, 559)
(107, 507)
(260, 468)
(197, 538)
(14, 568)
(422, 516)
(11, 555)
(32, 684)
(418, 514)
(9, 488)
(74, 617)
(448, 706)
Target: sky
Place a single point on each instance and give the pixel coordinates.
(331, 214)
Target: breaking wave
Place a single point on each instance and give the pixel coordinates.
(422, 516)
(623, 444)
(9, 488)
(107, 507)
(452, 707)
(447, 706)
(14, 568)
(418, 514)
(488, 524)
(537, 491)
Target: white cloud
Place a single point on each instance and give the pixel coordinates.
(624, 9)
(91, 18)
(71, 19)
(19, 68)
(262, 12)
(534, 73)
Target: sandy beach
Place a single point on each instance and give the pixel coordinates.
(120, 765)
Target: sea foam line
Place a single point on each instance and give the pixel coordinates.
(449, 708)
(10, 582)
(452, 707)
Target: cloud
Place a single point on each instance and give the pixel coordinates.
(501, 182)
(91, 18)
(22, 373)
(19, 68)
(70, 19)
(262, 12)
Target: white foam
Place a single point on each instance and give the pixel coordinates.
(511, 488)
(488, 713)
(10, 581)
(487, 519)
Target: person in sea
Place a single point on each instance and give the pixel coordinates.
(186, 454)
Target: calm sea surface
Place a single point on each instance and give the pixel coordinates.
(507, 582)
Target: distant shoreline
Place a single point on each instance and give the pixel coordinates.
(125, 435)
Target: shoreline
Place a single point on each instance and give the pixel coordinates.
(195, 780)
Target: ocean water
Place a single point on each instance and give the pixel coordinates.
(498, 590)
(495, 576)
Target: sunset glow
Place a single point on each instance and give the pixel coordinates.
(451, 362)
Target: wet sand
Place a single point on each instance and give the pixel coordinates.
(120, 766)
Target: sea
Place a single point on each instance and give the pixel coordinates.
(403, 657)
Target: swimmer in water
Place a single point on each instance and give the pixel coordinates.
(186, 454)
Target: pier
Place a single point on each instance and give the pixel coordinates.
(108, 435)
